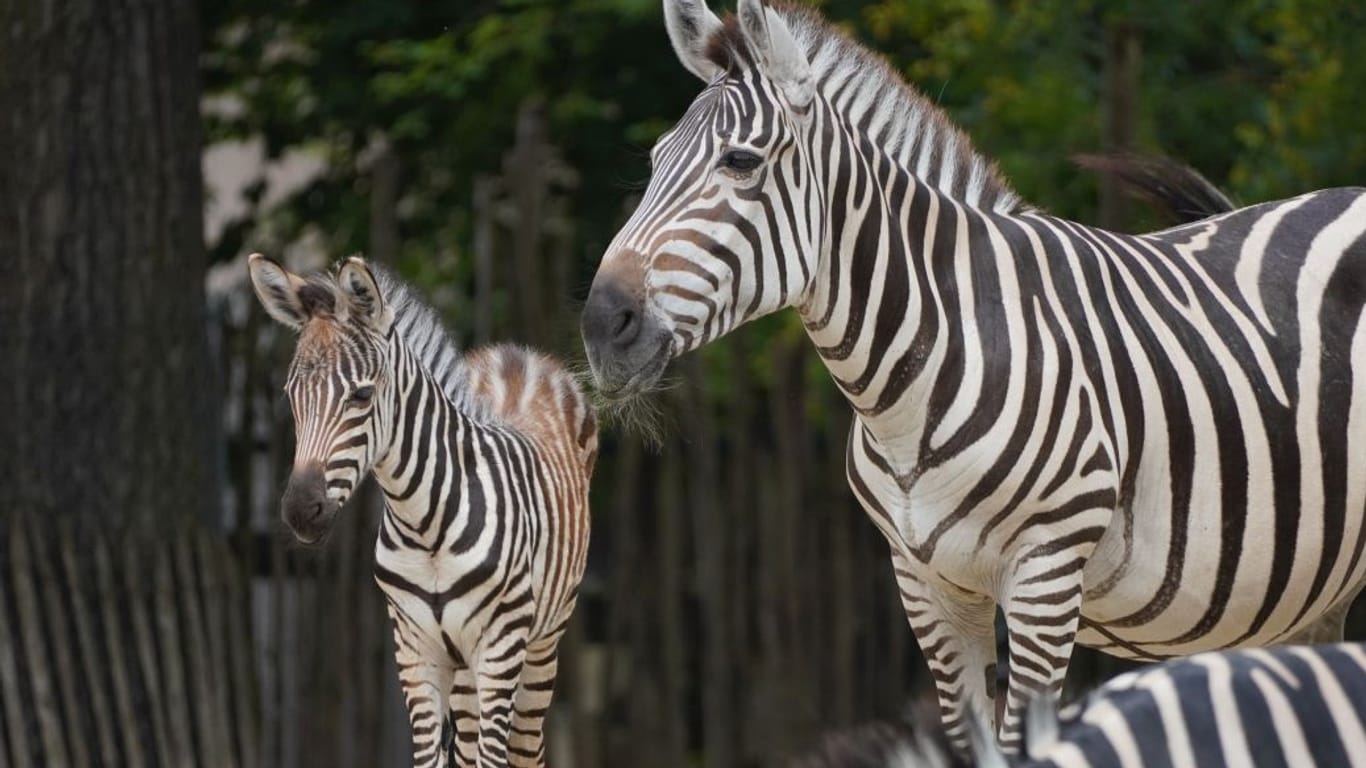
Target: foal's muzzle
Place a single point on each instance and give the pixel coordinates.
(306, 509)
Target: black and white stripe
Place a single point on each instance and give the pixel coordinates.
(1287, 706)
(1152, 444)
(484, 460)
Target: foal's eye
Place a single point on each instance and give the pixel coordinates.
(363, 394)
(741, 160)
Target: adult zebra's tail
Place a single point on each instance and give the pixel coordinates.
(1177, 190)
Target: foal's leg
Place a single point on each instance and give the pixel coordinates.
(526, 748)
(497, 672)
(464, 708)
(424, 677)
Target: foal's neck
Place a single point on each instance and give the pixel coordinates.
(425, 428)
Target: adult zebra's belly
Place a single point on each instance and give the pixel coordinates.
(1161, 584)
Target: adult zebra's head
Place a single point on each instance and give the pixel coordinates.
(728, 228)
(336, 385)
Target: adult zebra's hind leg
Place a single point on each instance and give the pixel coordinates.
(526, 747)
(1331, 627)
(1042, 611)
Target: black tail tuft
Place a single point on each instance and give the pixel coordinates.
(1175, 189)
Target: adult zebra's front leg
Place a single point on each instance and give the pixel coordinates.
(958, 639)
(1042, 603)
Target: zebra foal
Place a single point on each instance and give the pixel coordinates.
(484, 462)
(1292, 706)
(1154, 445)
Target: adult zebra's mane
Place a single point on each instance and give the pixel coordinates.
(867, 91)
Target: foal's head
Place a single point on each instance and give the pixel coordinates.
(337, 383)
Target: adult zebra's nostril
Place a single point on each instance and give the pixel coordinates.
(612, 318)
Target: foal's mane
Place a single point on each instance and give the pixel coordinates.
(415, 321)
(900, 119)
(424, 333)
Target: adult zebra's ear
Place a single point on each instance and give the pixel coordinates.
(780, 56)
(691, 25)
(278, 290)
(363, 298)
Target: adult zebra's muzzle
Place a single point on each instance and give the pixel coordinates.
(627, 348)
(305, 507)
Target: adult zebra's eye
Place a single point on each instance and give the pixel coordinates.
(363, 394)
(741, 160)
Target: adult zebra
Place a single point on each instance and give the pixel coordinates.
(1284, 706)
(484, 460)
(1155, 445)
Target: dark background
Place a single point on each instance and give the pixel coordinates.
(153, 611)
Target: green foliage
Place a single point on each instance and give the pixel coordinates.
(1263, 97)
(443, 82)
(1308, 133)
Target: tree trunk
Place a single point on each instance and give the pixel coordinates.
(108, 410)
(111, 419)
(1123, 59)
(524, 172)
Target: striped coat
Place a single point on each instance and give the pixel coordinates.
(1155, 445)
(484, 462)
(1288, 706)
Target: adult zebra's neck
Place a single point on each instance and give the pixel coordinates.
(885, 300)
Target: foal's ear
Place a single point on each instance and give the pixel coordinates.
(363, 298)
(780, 55)
(278, 290)
(691, 24)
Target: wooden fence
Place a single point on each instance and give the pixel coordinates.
(123, 650)
(737, 601)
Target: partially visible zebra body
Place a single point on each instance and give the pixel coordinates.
(1285, 706)
(484, 460)
(1154, 445)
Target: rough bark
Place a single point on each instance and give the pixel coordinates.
(109, 416)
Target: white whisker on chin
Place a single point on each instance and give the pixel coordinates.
(639, 413)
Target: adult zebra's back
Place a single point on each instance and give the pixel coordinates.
(1155, 444)
(1295, 706)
